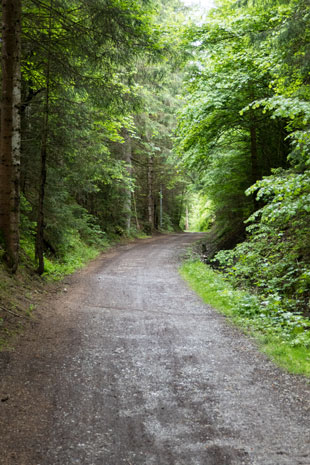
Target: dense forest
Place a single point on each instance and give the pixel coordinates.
(120, 117)
(89, 97)
(243, 134)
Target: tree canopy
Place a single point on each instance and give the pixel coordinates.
(98, 100)
(243, 133)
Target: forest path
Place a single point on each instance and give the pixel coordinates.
(129, 367)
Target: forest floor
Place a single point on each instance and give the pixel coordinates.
(124, 364)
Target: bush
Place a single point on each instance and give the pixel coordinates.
(275, 258)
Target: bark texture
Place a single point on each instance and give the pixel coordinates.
(10, 136)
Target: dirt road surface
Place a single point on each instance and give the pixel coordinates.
(129, 367)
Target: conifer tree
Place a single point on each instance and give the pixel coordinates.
(10, 136)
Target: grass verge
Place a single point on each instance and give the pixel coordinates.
(284, 338)
(77, 255)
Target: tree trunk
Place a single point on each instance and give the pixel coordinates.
(186, 219)
(150, 192)
(39, 246)
(40, 220)
(161, 207)
(127, 157)
(253, 147)
(136, 213)
(180, 213)
(10, 138)
(254, 158)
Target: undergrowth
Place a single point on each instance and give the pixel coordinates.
(284, 336)
(58, 267)
(74, 255)
(19, 292)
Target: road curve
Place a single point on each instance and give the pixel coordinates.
(129, 367)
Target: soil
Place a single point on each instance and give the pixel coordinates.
(18, 293)
(126, 365)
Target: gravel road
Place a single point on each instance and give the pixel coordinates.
(129, 367)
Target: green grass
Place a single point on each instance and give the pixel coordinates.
(76, 259)
(244, 310)
(294, 359)
(77, 255)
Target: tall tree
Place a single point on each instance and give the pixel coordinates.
(246, 120)
(39, 244)
(126, 148)
(10, 136)
(76, 58)
(227, 148)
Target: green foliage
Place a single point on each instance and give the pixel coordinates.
(226, 148)
(275, 259)
(114, 66)
(158, 86)
(201, 213)
(244, 137)
(77, 254)
(283, 335)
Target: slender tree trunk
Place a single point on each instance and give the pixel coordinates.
(186, 219)
(253, 146)
(10, 138)
(135, 210)
(39, 246)
(127, 158)
(40, 219)
(161, 207)
(180, 213)
(254, 158)
(150, 199)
